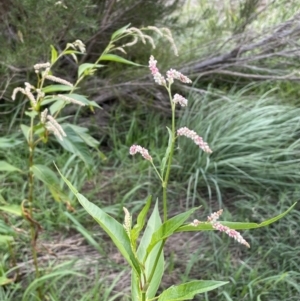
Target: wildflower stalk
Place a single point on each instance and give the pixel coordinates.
(169, 162)
(33, 230)
(165, 181)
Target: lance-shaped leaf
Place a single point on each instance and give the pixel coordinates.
(9, 142)
(138, 227)
(114, 229)
(12, 209)
(153, 224)
(119, 32)
(4, 166)
(234, 225)
(48, 177)
(57, 88)
(26, 131)
(187, 291)
(5, 239)
(5, 281)
(88, 68)
(118, 59)
(169, 227)
(54, 54)
(76, 145)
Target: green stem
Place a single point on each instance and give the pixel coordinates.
(33, 230)
(143, 296)
(167, 175)
(157, 172)
(165, 185)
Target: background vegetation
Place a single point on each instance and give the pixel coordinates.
(243, 57)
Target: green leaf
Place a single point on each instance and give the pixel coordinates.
(135, 232)
(4, 166)
(159, 270)
(45, 174)
(4, 280)
(118, 59)
(93, 103)
(48, 99)
(119, 32)
(48, 177)
(136, 294)
(13, 209)
(75, 145)
(57, 106)
(53, 54)
(5, 239)
(169, 227)
(187, 291)
(31, 114)
(114, 229)
(56, 88)
(70, 51)
(59, 103)
(86, 68)
(235, 225)
(167, 153)
(26, 131)
(6, 230)
(8, 142)
(153, 225)
(83, 134)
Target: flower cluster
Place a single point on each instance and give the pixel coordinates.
(71, 100)
(180, 99)
(127, 221)
(138, 149)
(174, 74)
(52, 125)
(213, 219)
(27, 92)
(158, 78)
(195, 137)
(171, 74)
(37, 67)
(58, 80)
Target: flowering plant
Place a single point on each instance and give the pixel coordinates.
(145, 255)
(44, 101)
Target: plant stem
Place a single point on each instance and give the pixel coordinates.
(143, 296)
(33, 231)
(166, 179)
(165, 185)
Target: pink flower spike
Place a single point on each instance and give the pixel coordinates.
(174, 74)
(195, 137)
(214, 216)
(158, 78)
(138, 149)
(180, 99)
(230, 232)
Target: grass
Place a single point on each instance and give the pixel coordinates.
(254, 141)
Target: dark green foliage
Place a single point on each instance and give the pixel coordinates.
(30, 26)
